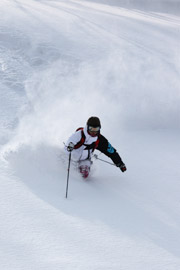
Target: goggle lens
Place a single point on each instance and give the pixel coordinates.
(94, 129)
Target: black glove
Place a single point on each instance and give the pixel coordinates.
(70, 147)
(122, 166)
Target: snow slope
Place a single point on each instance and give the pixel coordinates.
(61, 62)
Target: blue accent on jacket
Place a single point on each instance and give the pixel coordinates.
(110, 149)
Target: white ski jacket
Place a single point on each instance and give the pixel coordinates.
(81, 153)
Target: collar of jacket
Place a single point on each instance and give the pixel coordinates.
(89, 139)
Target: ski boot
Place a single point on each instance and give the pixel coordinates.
(84, 171)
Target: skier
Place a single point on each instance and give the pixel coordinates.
(85, 140)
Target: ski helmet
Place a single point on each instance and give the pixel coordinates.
(94, 121)
(93, 126)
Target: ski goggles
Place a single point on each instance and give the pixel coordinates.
(93, 130)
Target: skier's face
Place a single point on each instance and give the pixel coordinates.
(93, 131)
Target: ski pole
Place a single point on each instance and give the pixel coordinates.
(96, 156)
(68, 174)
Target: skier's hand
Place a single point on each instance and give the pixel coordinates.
(122, 166)
(70, 147)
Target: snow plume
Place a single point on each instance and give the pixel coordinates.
(123, 92)
(124, 75)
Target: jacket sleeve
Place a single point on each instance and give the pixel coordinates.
(106, 148)
(74, 138)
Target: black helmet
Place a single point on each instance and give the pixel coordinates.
(93, 121)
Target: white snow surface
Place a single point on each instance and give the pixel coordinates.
(60, 63)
